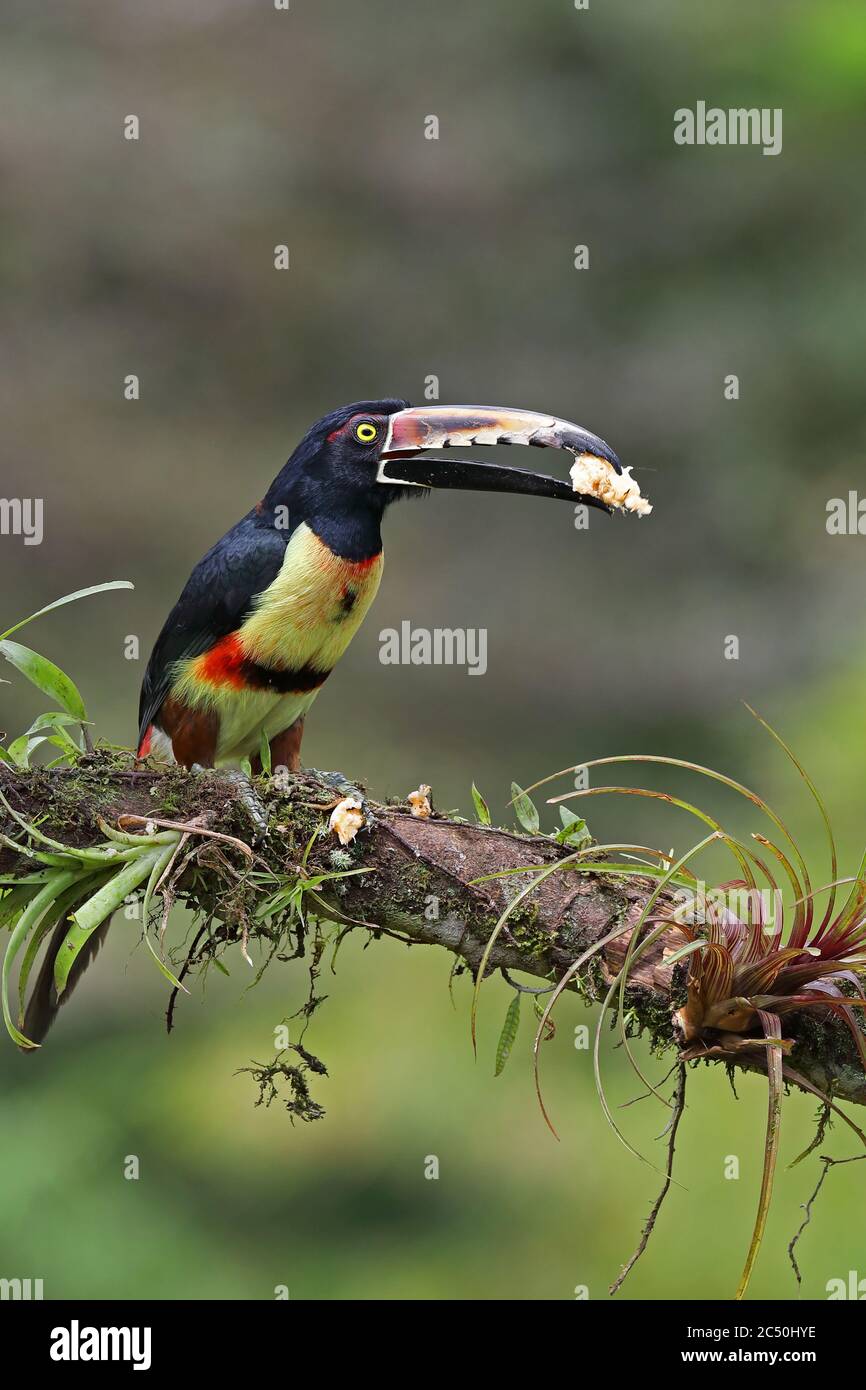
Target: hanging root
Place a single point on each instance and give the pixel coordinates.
(827, 1163)
(673, 1126)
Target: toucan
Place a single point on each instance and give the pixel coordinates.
(266, 615)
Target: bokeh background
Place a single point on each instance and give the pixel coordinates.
(412, 257)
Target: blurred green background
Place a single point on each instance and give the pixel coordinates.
(412, 257)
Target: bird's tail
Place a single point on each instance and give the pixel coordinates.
(44, 1002)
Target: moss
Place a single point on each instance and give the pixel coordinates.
(177, 792)
(413, 884)
(77, 797)
(655, 1019)
(524, 931)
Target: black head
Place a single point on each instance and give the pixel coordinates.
(337, 460)
(354, 462)
(330, 480)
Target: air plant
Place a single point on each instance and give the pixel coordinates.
(742, 970)
(82, 885)
(747, 973)
(749, 967)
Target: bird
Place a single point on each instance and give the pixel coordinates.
(267, 613)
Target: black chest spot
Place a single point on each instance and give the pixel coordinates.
(348, 599)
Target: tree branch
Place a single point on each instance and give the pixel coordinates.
(421, 883)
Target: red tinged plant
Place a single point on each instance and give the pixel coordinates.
(749, 968)
(743, 981)
(742, 969)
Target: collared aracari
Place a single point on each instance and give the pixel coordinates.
(266, 615)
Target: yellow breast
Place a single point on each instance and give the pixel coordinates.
(312, 610)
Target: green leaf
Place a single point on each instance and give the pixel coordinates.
(59, 909)
(525, 810)
(46, 677)
(30, 917)
(53, 719)
(104, 901)
(246, 767)
(574, 829)
(71, 750)
(265, 753)
(482, 810)
(508, 1034)
(68, 598)
(20, 749)
(14, 901)
(12, 880)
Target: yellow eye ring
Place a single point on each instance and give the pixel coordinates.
(366, 433)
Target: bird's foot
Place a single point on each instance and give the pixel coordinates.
(336, 780)
(249, 798)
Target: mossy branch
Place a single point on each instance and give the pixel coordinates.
(421, 883)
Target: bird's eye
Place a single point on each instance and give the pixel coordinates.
(365, 433)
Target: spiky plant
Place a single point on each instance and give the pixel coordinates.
(749, 967)
(747, 974)
(743, 970)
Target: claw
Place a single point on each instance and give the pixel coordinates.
(336, 780)
(248, 796)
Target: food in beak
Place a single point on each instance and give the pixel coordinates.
(595, 477)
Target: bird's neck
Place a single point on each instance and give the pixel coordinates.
(352, 534)
(347, 519)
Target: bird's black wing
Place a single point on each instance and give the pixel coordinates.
(216, 598)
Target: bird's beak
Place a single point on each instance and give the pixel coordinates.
(419, 428)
